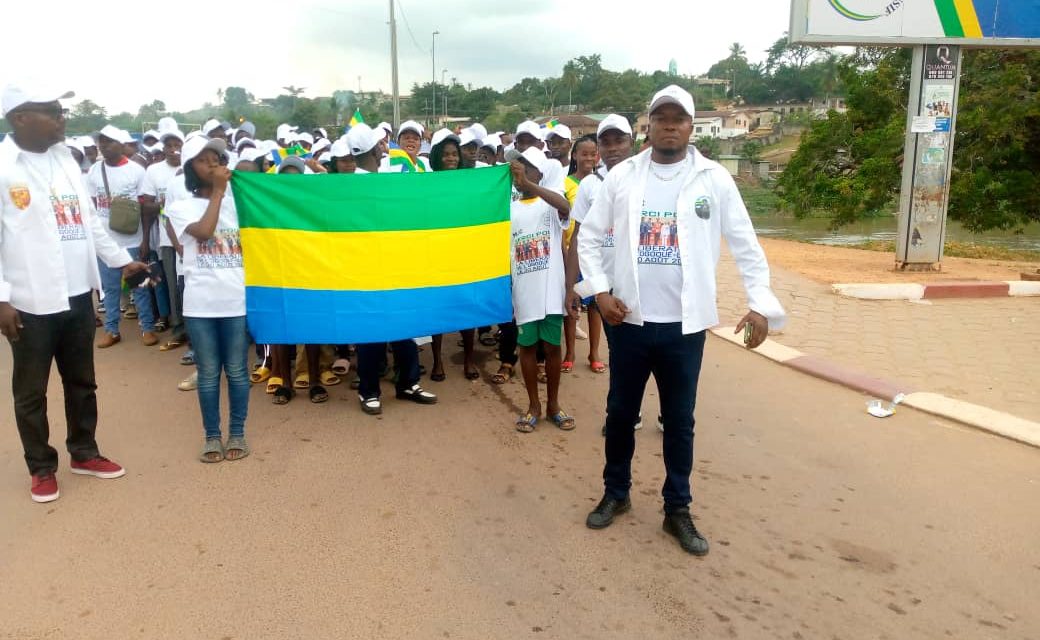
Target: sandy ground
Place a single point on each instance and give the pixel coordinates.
(831, 265)
(443, 522)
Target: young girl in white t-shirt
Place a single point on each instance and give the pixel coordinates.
(206, 224)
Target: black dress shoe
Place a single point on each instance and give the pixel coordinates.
(604, 513)
(680, 525)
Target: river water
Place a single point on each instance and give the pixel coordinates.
(883, 228)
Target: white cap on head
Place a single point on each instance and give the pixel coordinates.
(363, 139)
(492, 142)
(467, 137)
(386, 126)
(247, 127)
(292, 161)
(15, 96)
(166, 123)
(284, 131)
(441, 135)
(536, 158)
(304, 137)
(171, 133)
(86, 142)
(251, 154)
(194, 134)
(115, 133)
(322, 132)
(210, 125)
(325, 157)
(531, 127)
(245, 142)
(151, 133)
(74, 143)
(673, 94)
(410, 125)
(320, 145)
(196, 145)
(560, 130)
(614, 122)
(340, 148)
(479, 131)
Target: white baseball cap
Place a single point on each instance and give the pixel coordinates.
(210, 125)
(319, 145)
(362, 138)
(248, 128)
(171, 133)
(340, 148)
(197, 144)
(614, 122)
(560, 130)
(243, 142)
(536, 158)
(479, 131)
(410, 125)
(467, 137)
(531, 127)
(325, 157)
(284, 131)
(166, 123)
(492, 141)
(251, 155)
(74, 143)
(673, 94)
(443, 134)
(115, 133)
(151, 133)
(386, 126)
(322, 131)
(15, 96)
(86, 142)
(292, 161)
(304, 137)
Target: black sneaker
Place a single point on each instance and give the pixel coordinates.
(680, 525)
(604, 513)
(417, 394)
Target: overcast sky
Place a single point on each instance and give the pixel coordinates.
(122, 54)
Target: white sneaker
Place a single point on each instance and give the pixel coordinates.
(190, 383)
(579, 333)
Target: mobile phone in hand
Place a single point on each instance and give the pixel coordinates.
(150, 277)
(749, 330)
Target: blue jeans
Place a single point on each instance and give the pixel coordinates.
(112, 287)
(675, 361)
(221, 343)
(162, 291)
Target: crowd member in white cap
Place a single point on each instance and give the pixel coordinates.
(117, 177)
(371, 358)
(76, 148)
(50, 243)
(90, 152)
(132, 150)
(409, 139)
(558, 144)
(529, 134)
(469, 142)
(157, 180)
(342, 160)
(206, 224)
(284, 135)
(489, 150)
(659, 297)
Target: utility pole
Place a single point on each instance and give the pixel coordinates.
(393, 66)
(433, 78)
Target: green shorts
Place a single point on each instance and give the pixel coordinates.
(549, 330)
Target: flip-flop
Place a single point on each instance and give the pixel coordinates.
(542, 378)
(341, 367)
(303, 381)
(503, 375)
(175, 343)
(597, 366)
(566, 366)
(259, 375)
(562, 421)
(273, 384)
(329, 379)
(283, 395)
(526, 422)
(213, 445)
(318, 394)
(236, 443)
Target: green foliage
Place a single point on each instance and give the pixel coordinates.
(709, 147)
(751, 151)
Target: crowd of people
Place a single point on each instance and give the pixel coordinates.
(589, 221)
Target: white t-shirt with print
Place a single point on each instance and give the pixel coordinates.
(68, 214)
(156, 181)
(539, 279)
(660, 264)
(124, 181)
(214, 280)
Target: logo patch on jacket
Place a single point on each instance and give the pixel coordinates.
(20, 196)
(702, 207)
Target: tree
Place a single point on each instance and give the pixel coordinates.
(237, 98)
(751, 151)
(151, 112)
(709, 147)
(86, 117)
(784, 54)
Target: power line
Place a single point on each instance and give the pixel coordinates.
(409, 28)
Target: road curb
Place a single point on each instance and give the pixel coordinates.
(938, 290)
(983, 418)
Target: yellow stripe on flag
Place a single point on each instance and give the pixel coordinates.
(969, 18)
(375, 260)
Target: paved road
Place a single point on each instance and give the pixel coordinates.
(445, 523)
(983, 351)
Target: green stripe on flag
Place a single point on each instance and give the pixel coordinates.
(373, 202)
(948, 16)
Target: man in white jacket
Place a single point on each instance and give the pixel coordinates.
(669, 208)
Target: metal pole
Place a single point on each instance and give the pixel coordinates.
(393, 66)
(433, 77)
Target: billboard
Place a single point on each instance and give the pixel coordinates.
(974, 23)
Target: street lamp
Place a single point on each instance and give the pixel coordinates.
(433, 73)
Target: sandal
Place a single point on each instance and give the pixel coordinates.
(329, 379)
(283, 395)
(212, 451)
(566, 366)
(542, 378)
(318, 394)
(273, 384)
(597, 366)
(303, 381)
(562, 421)
(503, 375)
(175, 343)
(488, 340)
(526, 423)
(341, 367)
(236, 443)
(259, 374)
(371, 406)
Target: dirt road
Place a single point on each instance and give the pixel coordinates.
(443, 522)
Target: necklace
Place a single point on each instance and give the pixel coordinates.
(675, 175)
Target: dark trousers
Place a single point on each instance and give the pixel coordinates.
(174, 288)
(675, 361)
(68, 339)
(371, 358)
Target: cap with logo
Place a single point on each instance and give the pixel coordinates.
(15, 96)
(673, 94)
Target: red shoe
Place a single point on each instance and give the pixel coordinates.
(98, 467)
(44, 487)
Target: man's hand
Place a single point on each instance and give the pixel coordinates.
(611, 308)
(10, 322)
(759, 328)
(134, 267)
(519, 171)
(572, 304)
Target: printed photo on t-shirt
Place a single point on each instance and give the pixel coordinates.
(69, 217)
(658, 238)
(531, 252)
(222, 251)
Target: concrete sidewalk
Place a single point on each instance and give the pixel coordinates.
(986, 352)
